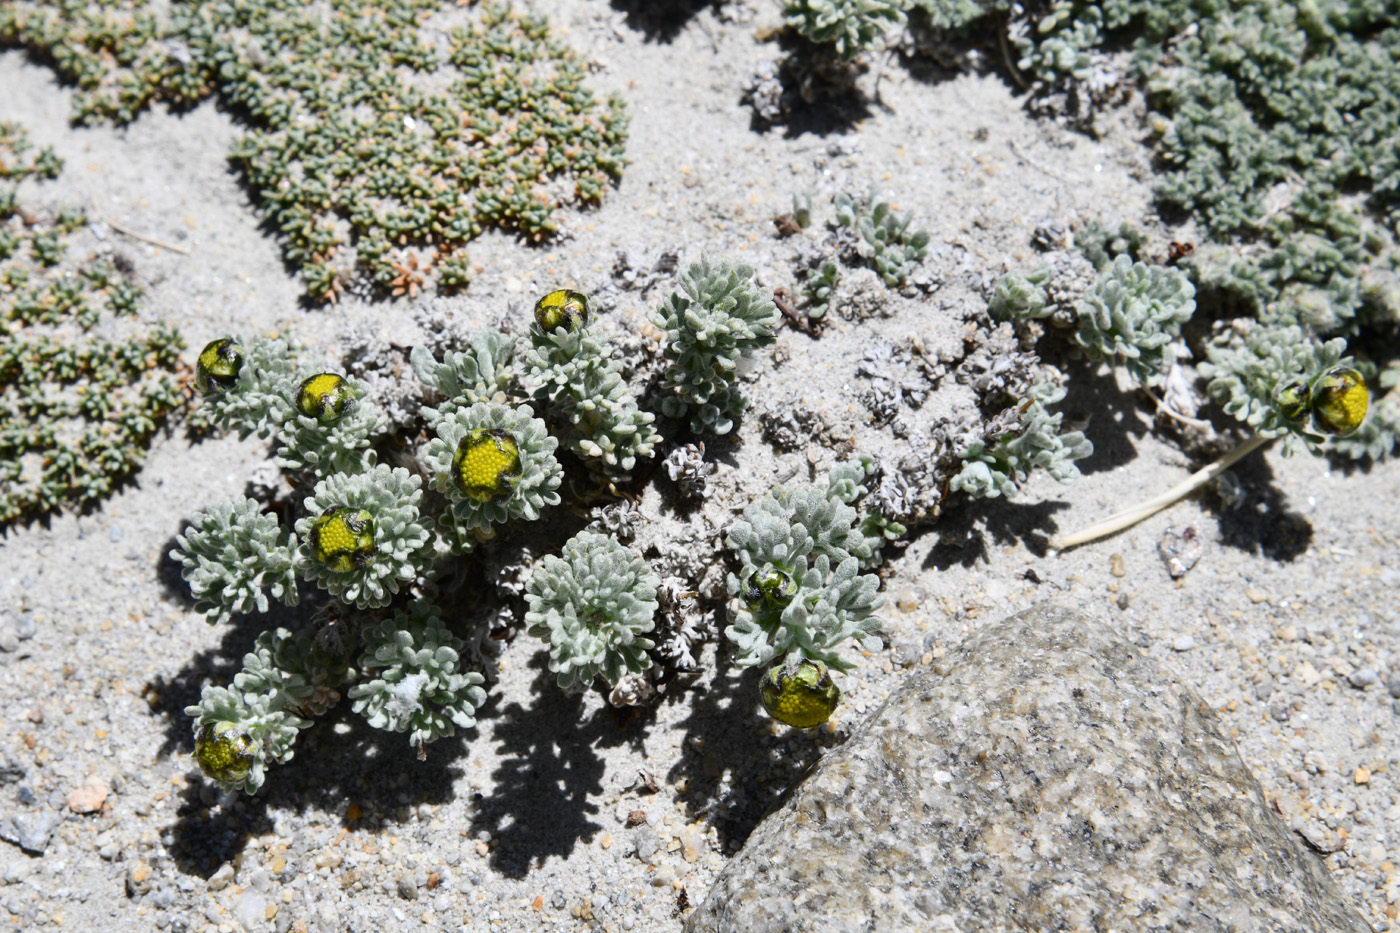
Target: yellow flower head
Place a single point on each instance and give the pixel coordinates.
(224, 752)
(343, 539)
(801, 695)
(562, 309)
(218, 365)
(1340, 399)
(325, 397)
(487, 464)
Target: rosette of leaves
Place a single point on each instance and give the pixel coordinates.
(1022, 295)
(997, 466)
(1253, 366)
(325, 445)
(485, 372)
(582, 387)
(884, 241)
(238, 734)
(593, 605)
(721, 316)
(1131, 315)
(519, 488)
(799, 592)
(417, 685)
(232, 555)
(380, 539)
(259, 400)
(850, 26)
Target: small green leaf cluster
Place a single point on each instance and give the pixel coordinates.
(885, 242)
(952, 15)
(581, 388)
(593, 605)
(371, 149)
(995, 466)
(721, 316)
(85, 380)
(232, 555)
(1021, 296)
(850, 26)
(241, 729)
(487, 371)
(1132, 314)
(417, 685)
(799, 592)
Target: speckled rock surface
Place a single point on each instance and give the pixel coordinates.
(1044, 776)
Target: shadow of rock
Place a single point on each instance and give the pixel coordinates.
(661, 20)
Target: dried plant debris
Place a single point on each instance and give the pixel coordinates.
(86, 380)
(374, 152)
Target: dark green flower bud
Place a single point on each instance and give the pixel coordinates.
(218, 365)
(769, 588)
(800, 694)
(325, 397)
(1293, 399)
(562, 309)
(343, 539)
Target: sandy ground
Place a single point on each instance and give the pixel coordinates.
(1287, 625)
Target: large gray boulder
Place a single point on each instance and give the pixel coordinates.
(1046, 775)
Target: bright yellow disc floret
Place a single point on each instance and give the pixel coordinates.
(486, 464)
(325, 397)
(224, 752)
(343, 539)
(1340, 400)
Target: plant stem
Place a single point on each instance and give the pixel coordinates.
(1130, 517)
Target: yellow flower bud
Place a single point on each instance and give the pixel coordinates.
(325, 397)
(562, 309)
(218, 365)
(487, 464)
(769, 588)
(1340, 400)
(342, 539)
(801, 695)
(224, 752)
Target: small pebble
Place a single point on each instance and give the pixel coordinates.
(1183, 643)
(1393, 685)
(25, 627)
(1363, 678)
(89, 797)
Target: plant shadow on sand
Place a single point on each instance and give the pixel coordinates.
(661, 20)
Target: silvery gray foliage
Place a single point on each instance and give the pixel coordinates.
(418, 686)
(800, 592)
(402, 537)
(689, 470)
(851, 26)
(485, 372)
(593, 605)
(581, 386)
(260, 402)
(721, 316)
(882, 240)
(891, 382)
(1131, 315)
(232, 555)
(1022, 295)
(1249, 362)
(340, 447)
(995, 466)
(469, 520)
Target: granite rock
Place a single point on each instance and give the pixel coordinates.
(1046, 775)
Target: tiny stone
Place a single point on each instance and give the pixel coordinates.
(221, 878)
(1362, 775)
(407, 889)
(1363, 678)
(89, 797)
(25, 627)
(114, 534)
(1183, 643)
(138, 879)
